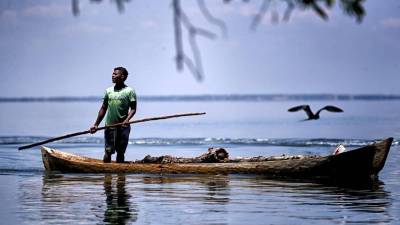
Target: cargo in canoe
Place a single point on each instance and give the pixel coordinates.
(364, 162)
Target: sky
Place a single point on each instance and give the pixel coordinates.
(47, 51)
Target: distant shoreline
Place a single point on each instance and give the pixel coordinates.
(220, 97)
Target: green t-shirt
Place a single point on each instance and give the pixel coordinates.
(118, 104)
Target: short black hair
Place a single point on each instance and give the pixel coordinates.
(123, 70)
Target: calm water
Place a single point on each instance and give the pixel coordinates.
(30, 196)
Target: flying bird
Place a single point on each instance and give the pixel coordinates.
(310, 114)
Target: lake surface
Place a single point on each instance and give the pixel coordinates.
(244, 128)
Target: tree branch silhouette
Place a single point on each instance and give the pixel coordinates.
(182, 23)
(195, 65)
(289, 9)
(203, 8)
(260, 15)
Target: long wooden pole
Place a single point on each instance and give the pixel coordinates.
(102, 128)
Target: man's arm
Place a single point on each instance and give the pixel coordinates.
(131, 112)
(100, 116)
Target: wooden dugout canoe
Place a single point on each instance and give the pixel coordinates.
(364, 162)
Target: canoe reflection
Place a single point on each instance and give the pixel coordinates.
(115, 199)
(367, 197)
(210, 189)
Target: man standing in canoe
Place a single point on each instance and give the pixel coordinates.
(117, 102)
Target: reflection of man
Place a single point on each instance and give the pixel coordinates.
(117, 211)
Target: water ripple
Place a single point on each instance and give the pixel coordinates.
(155, 141)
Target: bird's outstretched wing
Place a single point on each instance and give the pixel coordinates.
(297, 108)
(330, 108)
(306, 108)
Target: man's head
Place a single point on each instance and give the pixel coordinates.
(119, 75)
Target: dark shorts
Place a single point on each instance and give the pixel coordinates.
(116, 139)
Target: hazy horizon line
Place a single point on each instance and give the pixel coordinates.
(214, 97)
